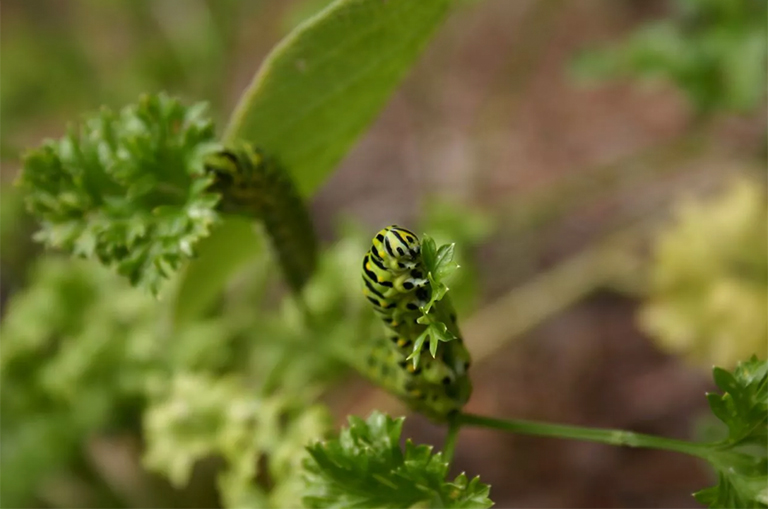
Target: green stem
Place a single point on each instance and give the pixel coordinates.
(603, 436)
(450, 440)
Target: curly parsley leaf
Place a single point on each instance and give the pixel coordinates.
(365, 467)
(440, 265)
(743, 406)
(741, 460)
(127, 188)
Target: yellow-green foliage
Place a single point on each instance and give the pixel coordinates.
(708, 296)
(201, 416)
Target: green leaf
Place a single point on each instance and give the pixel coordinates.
(439, 264)
(429, 252)
(741, 460)
(220, 256)
(435, 332)
(445, 265)
(126, 188)
(365, 467)
(744, 405)
(326, 81)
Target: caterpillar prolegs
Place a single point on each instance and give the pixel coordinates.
(395, 282)
(253, 184)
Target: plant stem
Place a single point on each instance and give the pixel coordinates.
(604, 436)
(450, 440)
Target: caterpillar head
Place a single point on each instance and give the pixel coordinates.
(238, 175)
(397, 248)
(223, 165)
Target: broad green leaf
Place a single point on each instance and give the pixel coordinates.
(326, 81)
(227, 250)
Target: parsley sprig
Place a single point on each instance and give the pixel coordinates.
(741, 459)
(127, 187)
(440, 265)
(366, 467)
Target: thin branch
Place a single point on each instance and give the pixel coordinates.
(603, 436)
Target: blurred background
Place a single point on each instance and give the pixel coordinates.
(601, 165)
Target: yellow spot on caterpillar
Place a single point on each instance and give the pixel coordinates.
(395, 324)
(368, 265)
(401, 342)
(411, 368)
(382, 254)
(415, 393)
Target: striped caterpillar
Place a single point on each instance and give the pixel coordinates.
(395, 282)
(252, 184)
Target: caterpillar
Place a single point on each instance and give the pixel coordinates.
(252, 184)
(395, 282)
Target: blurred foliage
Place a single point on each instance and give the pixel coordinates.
(708, 291)
(365, 467)
(127, 188)
(157, 49)
(232, 246)
(17, 248)
(199, 416)
(78, 351)
(714, 50)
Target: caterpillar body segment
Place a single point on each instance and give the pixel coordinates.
(395, 282)
(253, 184)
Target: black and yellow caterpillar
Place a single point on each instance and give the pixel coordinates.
(253, 184)
(395, 282)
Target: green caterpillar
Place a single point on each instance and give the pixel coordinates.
(252, 184)
(395, 282)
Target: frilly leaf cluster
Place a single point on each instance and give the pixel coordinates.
(741, 460)
(127, 187)
(365, 467)
(707, 295)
